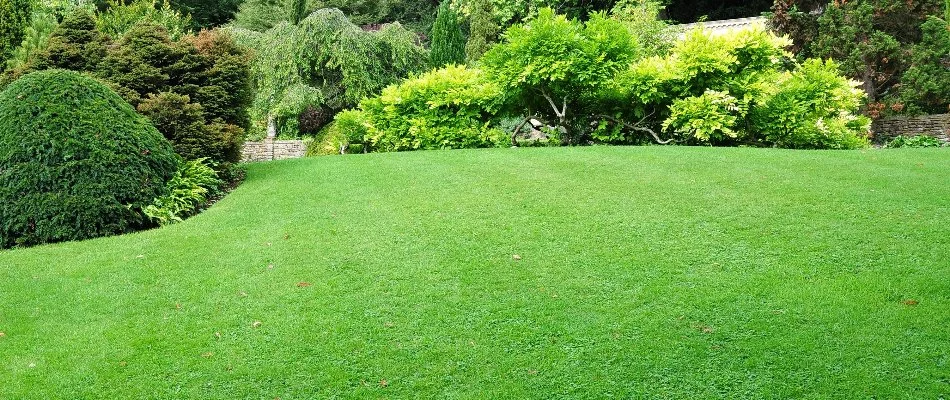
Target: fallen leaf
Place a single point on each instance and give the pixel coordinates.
(383, 383)
(32, 365)
(911, 302)
(389, 324)
(532, 372)
(123, 363)
(304, 284)
(243, 294)
(516, 257)
(2, 334)
(270, 266)
(140, 256)
(178, 306)
(207, 355)
(217, 335)
(286, 236)
(256, 324)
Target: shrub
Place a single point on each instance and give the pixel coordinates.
(448, 42)
(919, 141)
(76, 161)
(14, 19)
(122, 15)
(813, 107)
(183, 124)
(207, 75)
(75, 45)
(448, 108)
(187, 192)
(925, 87)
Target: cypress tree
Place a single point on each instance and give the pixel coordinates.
(483, 30)
(448, 42)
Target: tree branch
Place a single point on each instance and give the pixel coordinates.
(636, 128)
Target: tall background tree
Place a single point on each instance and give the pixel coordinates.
(208, 13)
(483, 30)
(448, 42)
(14, 18)
(872, 40)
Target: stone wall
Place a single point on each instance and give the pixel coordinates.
(937, 126)
(270, 149)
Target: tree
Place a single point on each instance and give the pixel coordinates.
(869, 39)
(448, 42)
(14, 18)
(925, 87)
(547, 64)
(483, 30)
(208, 13)
(324, 62)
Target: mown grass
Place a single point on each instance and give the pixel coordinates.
(652, 272)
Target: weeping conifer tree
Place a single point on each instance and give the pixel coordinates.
(448, 42)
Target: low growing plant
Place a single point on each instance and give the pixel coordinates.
(188, 191)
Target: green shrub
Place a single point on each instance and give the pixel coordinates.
(183, 124)
(550, 63)
(448, 108)
(14, 18)
(75, 45)
(122, 15)
(76, 161)
(448, 42)
(925, 86)
(918, 141)
(813, 107)
(187, 192)
(207, 76)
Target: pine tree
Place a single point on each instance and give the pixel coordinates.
(484, 30)
(448, 42)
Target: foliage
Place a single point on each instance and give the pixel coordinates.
(184, 124)
(190, 189)
(207, 13)
(35, 38)
(925, 86)
(709, 117)
(447, 108)
(869, 39)
(641, 18)
(197, 90)
(75, 45)
(732, 90)
(262, 15)
(76, 161)
(547, 63)
(325, 61)
(483, 30)
(813, 107)
(918, 141)
(122, 15)
(15, 17)
(448, 42)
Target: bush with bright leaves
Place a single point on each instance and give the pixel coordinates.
(448, 108)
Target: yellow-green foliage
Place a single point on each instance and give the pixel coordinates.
(448, 108)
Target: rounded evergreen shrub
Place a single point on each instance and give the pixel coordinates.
(76, 161)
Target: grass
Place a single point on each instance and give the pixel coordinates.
(653, 272)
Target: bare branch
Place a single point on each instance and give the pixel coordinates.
(636, 128)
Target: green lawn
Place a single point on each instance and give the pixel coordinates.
(645, 272)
